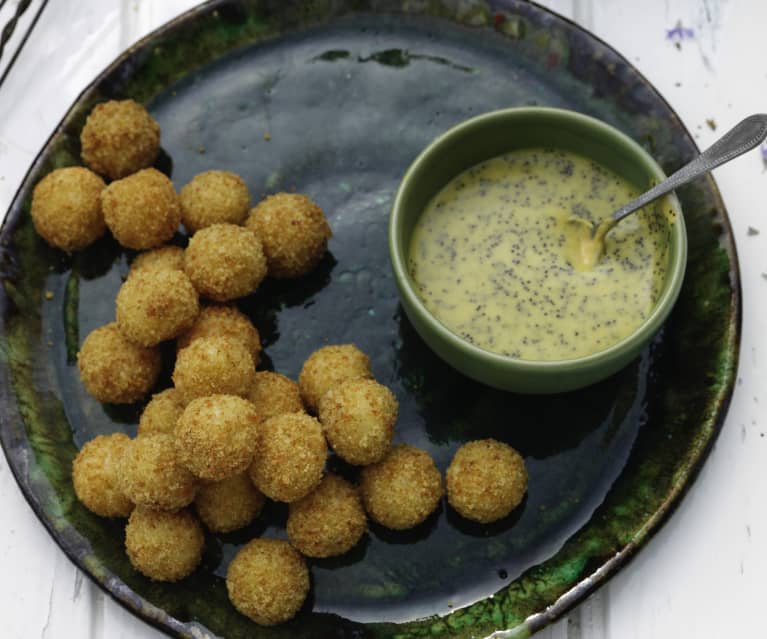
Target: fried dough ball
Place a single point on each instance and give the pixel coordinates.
(66, 208)
(486, 480)
(267, 581)
(328, 366)
(403, 489)
(119, 138)
(290, 456)
(358, 418)
(154, 305)
(141, 210)
(164, 546)
(151, 476)
(216, 436)
(214, 366)
(294, 232)
(214, 197)
(217, 321)
(225, 262)
(163, 258)
(273, 394)
(115, 370)
(329, 521)
(94, 475)
(161, 413)
(229, 504)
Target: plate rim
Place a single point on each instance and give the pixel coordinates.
(162, 620)
(588, 585)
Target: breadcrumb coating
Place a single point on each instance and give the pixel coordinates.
(358, 417)
(115, 370)
(225, 262)
(142, 210)
(119, 138)
(294, 232)
(94, 475)
(216, 436)
(216, 320)
(167, 257)
(328, 366)
(229, 504)
(273, 394)
(486, 480)
(290, 456)
(329, 521)
(403, 489)
(164, 546)
(66, 208)
(214, 197)
(214, 366)
(267, 581)
(161, 414)
(151, 476)
(155, 305)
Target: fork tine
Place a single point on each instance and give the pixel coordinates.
(10, 27)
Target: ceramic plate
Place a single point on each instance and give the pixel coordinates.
(335, 99)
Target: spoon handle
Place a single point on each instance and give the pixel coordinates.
(743, 137)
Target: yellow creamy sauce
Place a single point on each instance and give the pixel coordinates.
(492, 256)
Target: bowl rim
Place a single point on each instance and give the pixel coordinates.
(635, 339)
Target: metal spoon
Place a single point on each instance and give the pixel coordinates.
(743, 137)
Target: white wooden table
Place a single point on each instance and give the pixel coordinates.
(703, 573)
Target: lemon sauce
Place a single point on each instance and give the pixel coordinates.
(494, 256)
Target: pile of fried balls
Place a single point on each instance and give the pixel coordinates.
(211, 449)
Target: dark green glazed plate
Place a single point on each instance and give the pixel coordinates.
(335, 99)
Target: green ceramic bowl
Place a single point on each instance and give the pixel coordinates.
(488, 136)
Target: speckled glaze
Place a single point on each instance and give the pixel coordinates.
(348, 93)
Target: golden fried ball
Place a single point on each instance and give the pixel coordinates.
(115, 370)
(94, 475)
(66, 208)
(216, 436)
(329, 521)
(223, 321)
(164, 258)
(328, 366)
(164, 546)
(119, 138)
(161, 413)
(290, 456)
(214, 366)
(151, 476)
(225, 262)
(294, 232)
(141, 210)
(267, 581)
(403, 489)
(229, 504)
(486, 480)
(273, 394)
(214, 197)
(358, 417)
(156, 305)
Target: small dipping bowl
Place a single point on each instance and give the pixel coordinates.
(488, 136)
